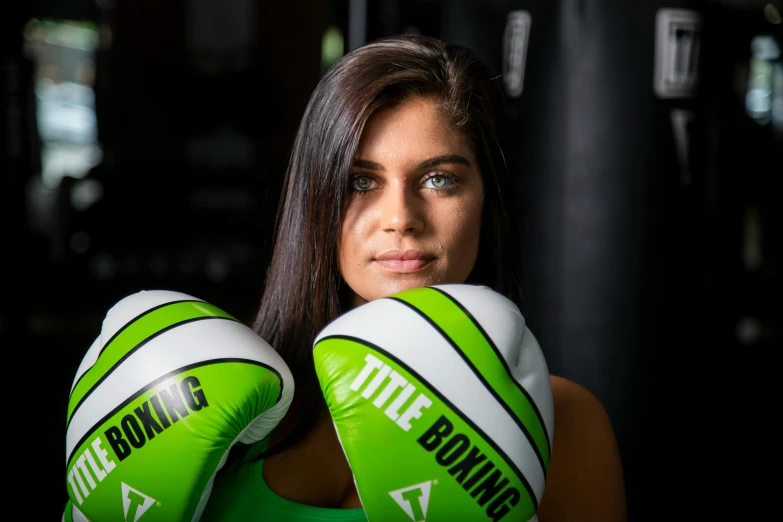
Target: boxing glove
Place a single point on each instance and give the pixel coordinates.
(442, 402)
(161, 396)
(72, 514)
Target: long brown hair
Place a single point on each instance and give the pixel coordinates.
(304, 290)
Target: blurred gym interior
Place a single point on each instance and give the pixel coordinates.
(144, 143)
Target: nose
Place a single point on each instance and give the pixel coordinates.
(401, 210)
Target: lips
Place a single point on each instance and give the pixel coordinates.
(404, 261)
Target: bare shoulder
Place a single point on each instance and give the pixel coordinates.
(585, 479)
(575, 402)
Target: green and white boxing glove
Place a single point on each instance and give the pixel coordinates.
(160, 398)
(442, 402)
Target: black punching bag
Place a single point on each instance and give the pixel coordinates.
(603, 145)
(600, 96)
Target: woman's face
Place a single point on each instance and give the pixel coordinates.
(413, 213)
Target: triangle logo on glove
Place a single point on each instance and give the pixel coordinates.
(414, 500)
(134, 503)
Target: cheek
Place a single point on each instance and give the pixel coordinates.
(353, 236)
(460, 237)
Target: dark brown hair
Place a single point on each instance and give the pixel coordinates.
(304, 290)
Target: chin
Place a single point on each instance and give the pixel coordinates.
(400, 285)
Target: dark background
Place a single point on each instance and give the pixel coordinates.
(144, 143)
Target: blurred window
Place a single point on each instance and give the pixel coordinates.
(64, 54)
(762, 101)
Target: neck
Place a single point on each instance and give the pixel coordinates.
(314, 470)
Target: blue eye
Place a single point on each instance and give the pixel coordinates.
(439, 181)
(361, 183)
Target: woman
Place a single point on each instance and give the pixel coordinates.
(397, 180)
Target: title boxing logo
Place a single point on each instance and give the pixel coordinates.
(414, 500)
(134, 503)
(134, 431)
(465, 462)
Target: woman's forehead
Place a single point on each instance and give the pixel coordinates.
(409, 133)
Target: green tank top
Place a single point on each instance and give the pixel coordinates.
(241, 495)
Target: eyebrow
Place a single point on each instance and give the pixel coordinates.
(426, 164)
